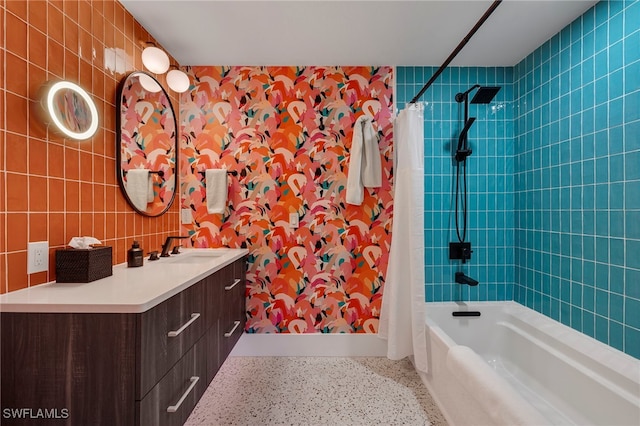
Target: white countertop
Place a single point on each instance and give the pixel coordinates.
(128, 290)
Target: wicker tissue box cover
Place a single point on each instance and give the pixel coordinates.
(83, 265)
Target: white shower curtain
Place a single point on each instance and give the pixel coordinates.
(402, 316)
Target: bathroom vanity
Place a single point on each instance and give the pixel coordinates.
(137, 348)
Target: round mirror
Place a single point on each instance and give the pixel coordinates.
(148, 149)
(70, 109)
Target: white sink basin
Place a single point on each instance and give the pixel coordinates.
(195, 257)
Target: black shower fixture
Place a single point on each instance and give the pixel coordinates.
(461, 278)
(463, 150)
(461, 97)
(462, 249)
(484, 95)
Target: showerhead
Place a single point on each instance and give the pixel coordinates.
(485, 95)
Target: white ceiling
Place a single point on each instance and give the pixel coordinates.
(350, 32)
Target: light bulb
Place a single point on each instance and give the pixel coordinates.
(155, 60)
(178, 81)
(149, 84)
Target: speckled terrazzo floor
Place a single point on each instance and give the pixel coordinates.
(310, 391)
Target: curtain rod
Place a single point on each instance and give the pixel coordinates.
(457, 50)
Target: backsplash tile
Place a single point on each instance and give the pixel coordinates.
(50, 188)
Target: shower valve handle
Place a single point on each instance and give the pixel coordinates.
(466, 254)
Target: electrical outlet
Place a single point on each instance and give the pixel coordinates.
(293, 220)
(37, 257)
(187, 217)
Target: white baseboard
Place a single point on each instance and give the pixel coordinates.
(310, 345)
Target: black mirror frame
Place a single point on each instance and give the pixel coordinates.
(121, 87)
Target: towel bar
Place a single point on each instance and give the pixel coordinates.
(159, 172)
(231, 172)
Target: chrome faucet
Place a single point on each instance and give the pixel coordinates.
(167, 244)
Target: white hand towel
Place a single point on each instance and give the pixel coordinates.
(138, 184)
(150, 194)
(216, 187)
(365, 168)
(371, 164)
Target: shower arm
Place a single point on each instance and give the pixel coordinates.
(465, 95)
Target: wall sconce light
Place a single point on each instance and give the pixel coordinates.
(149, 84)
(157, 61)
(154, 59)
(177, 80)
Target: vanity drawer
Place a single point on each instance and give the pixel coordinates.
(171, 401)
(215, 300)
(167, 332)
(225, 302)
(214, 294)
(234, 316)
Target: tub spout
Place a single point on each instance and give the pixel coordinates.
(461, 278)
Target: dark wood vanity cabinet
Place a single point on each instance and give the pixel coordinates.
(79, 367)
(118, 368)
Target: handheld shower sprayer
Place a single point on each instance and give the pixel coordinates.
(463, 150)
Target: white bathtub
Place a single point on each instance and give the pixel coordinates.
(512, 365)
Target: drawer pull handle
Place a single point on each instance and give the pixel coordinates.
(194, 317)
(235, 283)
(174, 408)
(235, 325)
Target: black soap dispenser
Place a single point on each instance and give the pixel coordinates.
(135, 257)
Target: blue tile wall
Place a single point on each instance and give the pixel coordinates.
(554, 179)
(577, 176)
(490, 181)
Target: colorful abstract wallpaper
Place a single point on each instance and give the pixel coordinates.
(284, 135)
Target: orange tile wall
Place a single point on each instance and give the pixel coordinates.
(51, 188)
